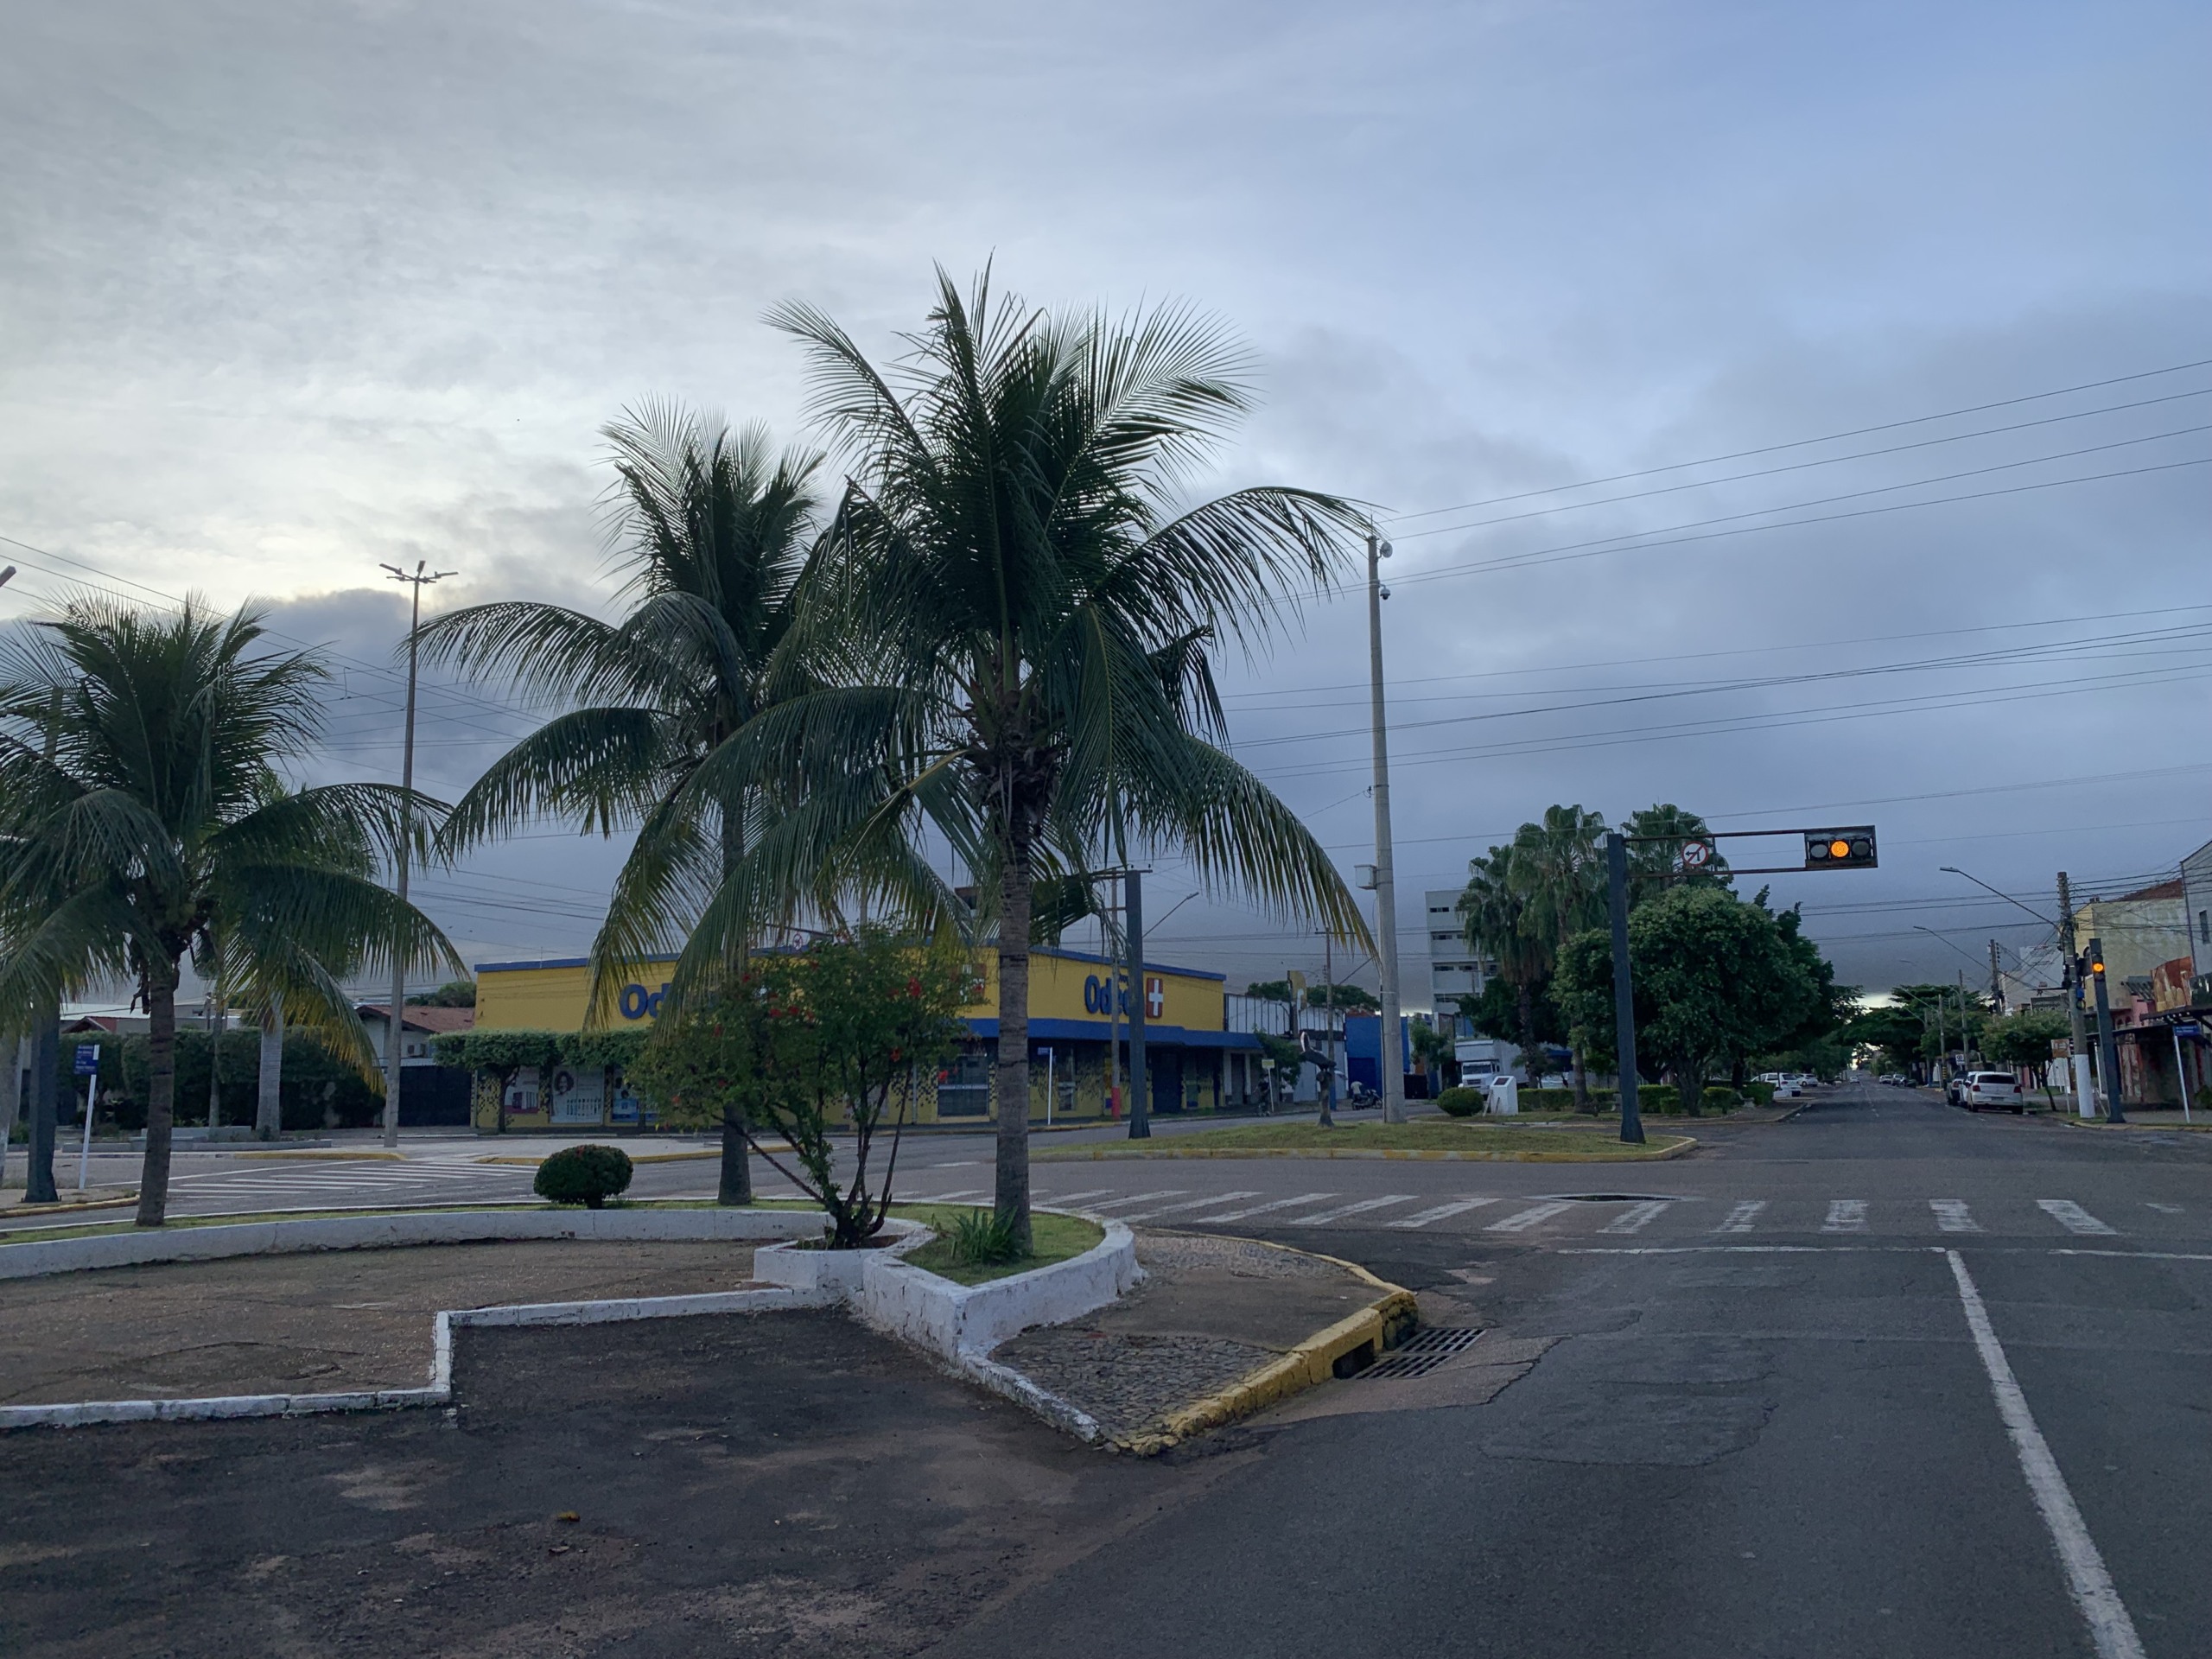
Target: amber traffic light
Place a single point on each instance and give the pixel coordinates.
(1841, 849)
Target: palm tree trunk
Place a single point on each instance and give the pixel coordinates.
(269, 1102)
(1525, 1006)
(1013, 1205)
(1581, 1078)
(1691, 1076)
(161, 1093)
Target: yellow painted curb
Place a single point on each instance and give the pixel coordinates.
(1311, 1363)
(1681, 1145)
(46, 1211)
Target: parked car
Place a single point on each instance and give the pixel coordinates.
(1999, 1089)
(1789, 1089)
(1955, 1091)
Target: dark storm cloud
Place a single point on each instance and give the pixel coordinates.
(292, 291)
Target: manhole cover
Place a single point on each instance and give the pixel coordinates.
(1427, 1350)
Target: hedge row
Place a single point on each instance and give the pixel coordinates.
(1662, 1098)
(319, 1092)
(508, 1051)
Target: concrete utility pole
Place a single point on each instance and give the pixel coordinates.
(421, 577)
(1623, 988)
(1996, 982)
(1390, 1058)
(1329, 1029)
(2107, 1050)
(2078, 1064)
(44, 1105)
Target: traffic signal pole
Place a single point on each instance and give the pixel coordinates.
(2078, 1064)
(1624, 988)
(2107, 1050)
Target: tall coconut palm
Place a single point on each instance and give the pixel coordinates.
(1558, 867)
(1021, 620)
(142, 819)
(715, 533)
(1494, 912)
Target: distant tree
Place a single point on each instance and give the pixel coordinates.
(1527, 1016)
(1494, 912)
(1558, 867)
(454, 994)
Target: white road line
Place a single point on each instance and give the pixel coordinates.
(1077, 1198)
(1188, 1204)
(1521, 1221)
(1845, 1216)
(2111, 1631)
(1637, 1216)
(1298, 1203)
(2162, 1209)
(1740, 1219)
(1441, 1212)
(950, 1198)
(1953, 1216)
(2072, 1217)
(1140, 1198)
(1343, 1209)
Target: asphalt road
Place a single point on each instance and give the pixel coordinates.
(1763, 1431)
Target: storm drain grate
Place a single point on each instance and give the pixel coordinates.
(1424, 1352)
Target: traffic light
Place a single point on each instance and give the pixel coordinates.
(1841, 849)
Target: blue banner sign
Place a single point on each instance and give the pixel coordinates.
(88, 1059)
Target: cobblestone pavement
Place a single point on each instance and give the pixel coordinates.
(1210, 1311)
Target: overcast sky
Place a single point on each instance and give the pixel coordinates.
(287, 291)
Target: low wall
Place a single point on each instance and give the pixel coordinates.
(954, 1321)
(30, 1261)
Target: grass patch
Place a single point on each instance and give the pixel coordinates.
(1574, 1138)
(1052, 1238)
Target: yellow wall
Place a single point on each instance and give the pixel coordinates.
(555, 998)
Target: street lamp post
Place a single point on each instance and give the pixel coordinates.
(420, 578)
(1389, 1060)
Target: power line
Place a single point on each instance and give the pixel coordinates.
(1801, 443)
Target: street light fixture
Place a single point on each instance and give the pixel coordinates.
(1953, 869)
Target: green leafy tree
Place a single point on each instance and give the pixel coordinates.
(1557, 864)
(1023, 617)
(846, 1032)
(454, 994)
(142, 818)
(1494, 911)
(1716, 979)
(715, 533)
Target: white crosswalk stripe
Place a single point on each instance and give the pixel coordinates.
(1077, 1198)
(2073, 1217)
(2162, 1209)
(1953, 1216)
(952, 1197)
(1141, 1197)
(1187, 1203)
(1441, 1212)
(1342, 1210)
(1522, 1220)
(1845, 1216)
(1637, 1216)
(1743, 1217)
(1298, 1203)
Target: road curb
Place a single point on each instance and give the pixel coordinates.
(2141, 1129)
(1685, 1145)
(1382, 1324)
(47, 1211)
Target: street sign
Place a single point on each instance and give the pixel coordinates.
(1696, 855)
(2189, 1030)
(88, 1060)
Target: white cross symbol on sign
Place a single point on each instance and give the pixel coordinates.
(1155, 997)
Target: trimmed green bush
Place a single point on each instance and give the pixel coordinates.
(1717, 1099)
(1759, 1094)
(587, 1175)
(1462, 1103)
(1660, 1097)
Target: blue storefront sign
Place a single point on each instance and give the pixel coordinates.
(88, 1060)
(636, 1002)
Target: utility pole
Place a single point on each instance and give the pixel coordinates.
(421, 577)
(1386, 882)
(1623, 988)
(2107, 1050)
(1140, 1106)
(1113, 1001)
(1996, 982)
(2078, 1065)
(1329, 1030)
(44, 1106)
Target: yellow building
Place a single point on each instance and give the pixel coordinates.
(1078, 1041)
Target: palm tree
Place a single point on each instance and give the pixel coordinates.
(142, 818)
(1558, 867)
(1022, 623)
(1494, 911)
(1655, 863)
(717, 533)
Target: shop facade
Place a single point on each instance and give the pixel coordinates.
(1078, 1045)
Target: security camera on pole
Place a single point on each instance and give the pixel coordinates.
(1390, 1052)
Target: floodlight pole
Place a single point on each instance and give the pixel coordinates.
(420, 578)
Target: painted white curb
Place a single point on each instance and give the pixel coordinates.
(28, 1261)
(960, 1320)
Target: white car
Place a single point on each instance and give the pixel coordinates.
(1789, 1089)
(1998, 1090)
